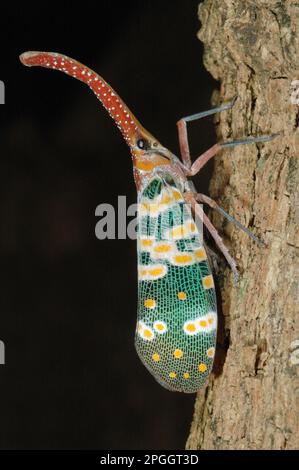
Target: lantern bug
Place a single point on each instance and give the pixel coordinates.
(176, 321)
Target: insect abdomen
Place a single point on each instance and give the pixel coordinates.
(176, 324)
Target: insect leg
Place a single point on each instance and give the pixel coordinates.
(210, 202)
(218, 240)
(211, 152)
(182, 129)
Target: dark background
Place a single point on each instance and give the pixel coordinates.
(72, 378)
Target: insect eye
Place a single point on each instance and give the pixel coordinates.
(141, 143)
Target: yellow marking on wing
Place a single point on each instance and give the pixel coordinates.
(150, 303)
(156, 357)
(178, 353)
(177, 195)
(191, 328)
(208, 282)
(153, 271)
(211, 352)
(212, 318)
(183, 259)
(207, 322)
(160, 326)
(177, 232)
(146, 242)
(165, 199)
(145, 332)
(163, 248)
(202, 367)
(188, 229)
(148, 333)
(182, 295)
(200, 254)
(192, 227)
(143, 272)
(156, 272)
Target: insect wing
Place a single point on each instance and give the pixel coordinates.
(176, 321)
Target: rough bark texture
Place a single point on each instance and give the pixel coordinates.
(252, 47)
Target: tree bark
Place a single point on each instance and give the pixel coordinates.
(252, 47)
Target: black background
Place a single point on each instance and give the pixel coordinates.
(72, 378)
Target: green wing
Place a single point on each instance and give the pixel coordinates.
(177, 321)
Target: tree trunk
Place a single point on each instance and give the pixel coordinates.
(252, 47)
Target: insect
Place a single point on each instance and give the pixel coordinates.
(177, 320)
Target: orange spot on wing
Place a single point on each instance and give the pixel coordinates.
(177, 232)
(162, 248)
(149, 303)
(165, 199)
(143, 272)
(202, 367)
(147, 333)
(146, 242)
(182, 259)
(177, 195)
(208, 282)
(192, 227)
(191, 327)
(182, 295)
(211, 352)
(178, 353)
(156, 271)
(200, 254)
(156, 357)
